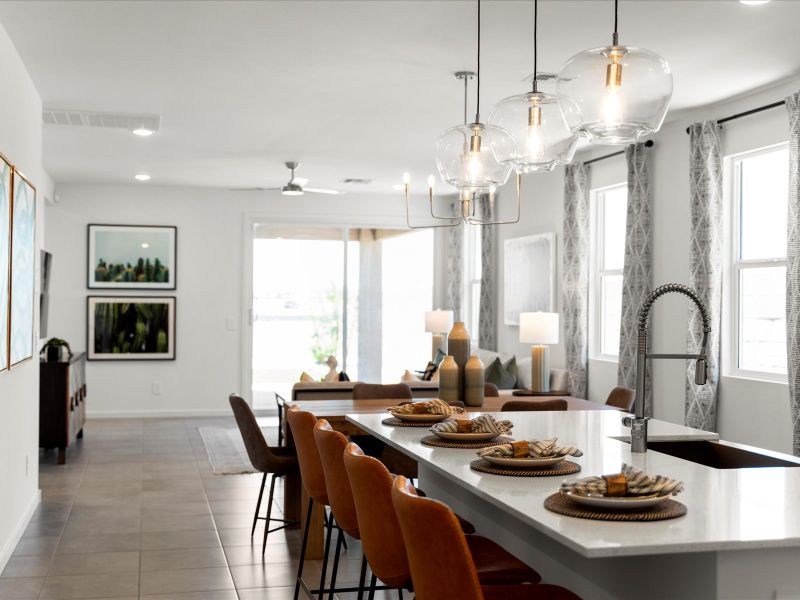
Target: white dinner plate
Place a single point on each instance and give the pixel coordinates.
(524, 463)
(616, 503)
(420, 418)
(467, 437)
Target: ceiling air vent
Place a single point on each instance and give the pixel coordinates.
(87, 118)
(357, 180)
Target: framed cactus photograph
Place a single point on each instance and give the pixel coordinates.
(130, 328)
(138, 257)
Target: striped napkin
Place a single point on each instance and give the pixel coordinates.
(638, 483)
(530, 449)
(429, 407)
(482, 424)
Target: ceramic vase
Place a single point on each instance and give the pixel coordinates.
(448, 380)
(473, 382)
(458, 348)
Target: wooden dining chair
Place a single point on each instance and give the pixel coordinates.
(490, 390)
(275, 461)
(382, 541)
(543, 405)
(621, 398)
(439, 556)
(377, 391)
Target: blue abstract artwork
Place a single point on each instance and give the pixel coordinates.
(5, 253)
(23, 265)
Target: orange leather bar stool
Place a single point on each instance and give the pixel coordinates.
(520, 405)
(302, 425)
(382, 540)
(440, 559)
(331, 445)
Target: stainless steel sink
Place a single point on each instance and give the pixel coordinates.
(719, 455)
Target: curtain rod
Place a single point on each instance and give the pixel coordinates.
(747, 113)
(648, 143)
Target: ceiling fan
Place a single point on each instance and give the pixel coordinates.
(296, 186)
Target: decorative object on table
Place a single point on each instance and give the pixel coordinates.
(563, 505)
(473, 382)
(131, 328)
(6, 171)
(532, 393)
(484, 428)
(529, 285)
(332, 374)
(428, 411)
(633, 102)
(562, 468)
(23, 269)
(56, 350)
(438, 323)
(437, 442)
(448, 380)
(458, 346)
(141, 257)
(503, 375)
(629, 482)
(539, 329)
(528, 454)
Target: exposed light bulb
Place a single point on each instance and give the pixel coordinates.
(431, 181)
(406, 178)
(611, 109)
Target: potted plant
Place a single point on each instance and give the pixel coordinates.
(55, 349)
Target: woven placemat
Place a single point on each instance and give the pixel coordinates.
(565, 467)
(437, 442)
(395, 422)
(668, 509)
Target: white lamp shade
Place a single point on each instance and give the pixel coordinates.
(538, 328)
(438, 321)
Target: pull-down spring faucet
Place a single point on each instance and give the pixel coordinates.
(638, 423)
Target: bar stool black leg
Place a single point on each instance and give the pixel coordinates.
(258, 505)
(363, 579)
(372, 583)
(325, 562)
(339, 541)
(269, 513)
(303, 549)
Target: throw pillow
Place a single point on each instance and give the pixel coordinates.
(511, 367)
(306, 378)
(497, 374)
(429, 371)
(437, 360)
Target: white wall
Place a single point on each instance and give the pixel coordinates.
(210, 284)
(21, 142)
(749, 412)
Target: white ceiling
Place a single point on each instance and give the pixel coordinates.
(350, 89)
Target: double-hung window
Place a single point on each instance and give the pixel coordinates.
(758, 197)
(609, 207)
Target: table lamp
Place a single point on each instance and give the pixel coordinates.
(438, 323)
(539, 329)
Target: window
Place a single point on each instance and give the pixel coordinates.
(608, 215)
(758, 187)
(473, 271)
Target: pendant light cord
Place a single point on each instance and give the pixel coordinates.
(478, 100)
(616, 22)
(535, 44)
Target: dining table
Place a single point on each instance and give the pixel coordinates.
(336, 410)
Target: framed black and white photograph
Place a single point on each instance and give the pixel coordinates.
(130, 328)
(529, 284)
(141, 257)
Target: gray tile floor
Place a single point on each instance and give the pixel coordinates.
(136, 514)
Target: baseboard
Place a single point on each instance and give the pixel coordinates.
(19, 530)
(148, 414)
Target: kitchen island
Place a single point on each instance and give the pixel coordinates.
(739, 540)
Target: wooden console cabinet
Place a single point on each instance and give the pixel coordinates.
(62, 403)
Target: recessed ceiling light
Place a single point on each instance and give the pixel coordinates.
(145, 245)
(753, 2)
(142, 132)
(142, 177)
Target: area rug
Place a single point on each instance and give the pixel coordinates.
(225, 449)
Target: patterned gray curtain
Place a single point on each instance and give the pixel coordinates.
(575, 301)
(487, 312)
(793, 267)
(705, 268)
(637, 272)
(454, 269)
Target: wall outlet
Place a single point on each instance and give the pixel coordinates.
(155, 388)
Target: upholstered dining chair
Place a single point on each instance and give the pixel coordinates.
(377, 391)
(382, 541)
(439, 556)
(274, 461)
(490, 390)
(621, 398)
(520, 405)
(302, 425)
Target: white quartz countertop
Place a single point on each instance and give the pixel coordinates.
(727, 508)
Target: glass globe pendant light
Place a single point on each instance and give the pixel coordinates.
(615, 94)
(464, 154)
(541, 137)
